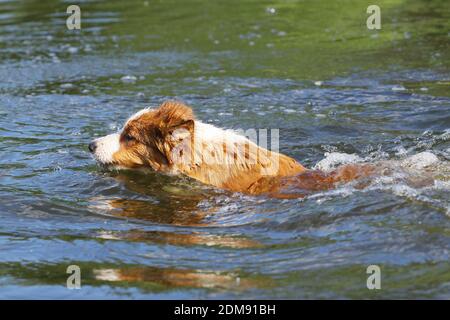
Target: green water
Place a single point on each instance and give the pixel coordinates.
(311, 69)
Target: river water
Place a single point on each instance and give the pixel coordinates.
(336, 91)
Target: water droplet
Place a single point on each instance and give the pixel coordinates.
(128, 79)
(66, 86)
(72, 50)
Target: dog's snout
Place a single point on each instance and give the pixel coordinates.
(92, 146)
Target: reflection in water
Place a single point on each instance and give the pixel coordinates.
(311, 69)
(182, 239)
(167, 200)
(168, 208)
(160, 213)
(143, 277)
(179, 278)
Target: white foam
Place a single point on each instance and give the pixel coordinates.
(420, 160)
(335, 159)
(106, 274)
(441, 185)
(404, 191)
(402, 180)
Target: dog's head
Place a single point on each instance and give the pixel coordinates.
(151, 138)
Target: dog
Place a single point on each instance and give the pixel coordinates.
(170, 140)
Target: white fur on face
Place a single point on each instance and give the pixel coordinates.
(138, 114)
(106, 147)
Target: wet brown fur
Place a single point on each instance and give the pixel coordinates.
(149, 140)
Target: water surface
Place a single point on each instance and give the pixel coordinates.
(308, 68)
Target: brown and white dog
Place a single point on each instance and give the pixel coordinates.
(170, 140)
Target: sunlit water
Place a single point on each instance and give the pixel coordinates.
(337, 92)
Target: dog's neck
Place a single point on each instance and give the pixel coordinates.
(225, 159)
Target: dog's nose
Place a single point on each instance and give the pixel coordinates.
(92, 146)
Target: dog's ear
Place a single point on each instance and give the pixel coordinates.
(176, 126)
(174, 115)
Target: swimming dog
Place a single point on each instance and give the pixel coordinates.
(170, 140)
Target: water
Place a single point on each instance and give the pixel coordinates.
(338, 93)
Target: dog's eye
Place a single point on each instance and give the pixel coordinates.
(128, 138)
